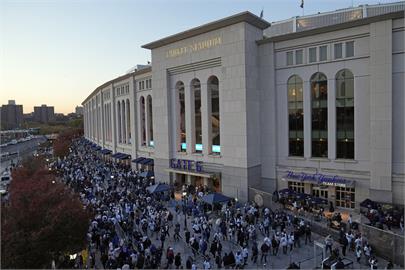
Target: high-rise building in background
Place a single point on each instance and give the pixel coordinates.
(44, 114)
(11, 115)
(79, 110)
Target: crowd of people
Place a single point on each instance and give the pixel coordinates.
(133, 228)
(384, 219)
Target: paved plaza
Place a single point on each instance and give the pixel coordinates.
(123, 203)
(303, 256)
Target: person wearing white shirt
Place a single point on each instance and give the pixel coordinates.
(206, 264)
(245, 255)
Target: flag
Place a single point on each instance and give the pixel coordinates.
(302, 4)
(261, 14)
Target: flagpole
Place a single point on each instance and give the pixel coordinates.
(302, 6)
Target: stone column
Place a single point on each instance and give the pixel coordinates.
(190, 121)
(381, 111)
(188, 179)
(206, 118)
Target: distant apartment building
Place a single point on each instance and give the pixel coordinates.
(28, 117)
(11, 115)
(44, 114)
(79, 110)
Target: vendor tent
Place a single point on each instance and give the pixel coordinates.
(286, 192)
(146, 174)
(369, 204)
(215, 198)
(317, 200)
(160, 187)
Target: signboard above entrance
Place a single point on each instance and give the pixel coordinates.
(185, 164)
(319, 179)
(194, 47)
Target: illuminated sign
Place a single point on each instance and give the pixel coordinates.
(194, 47)
(185, 164)
(319, 179)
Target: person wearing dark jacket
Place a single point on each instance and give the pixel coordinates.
(264, 249)
(213, 248)
(177, 260)
(218, 261)
(226, 261)
(187, 235)
(189, 262)
(231, 259)
(344, 243)
(255, 252)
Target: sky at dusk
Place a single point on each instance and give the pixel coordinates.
(58, 52)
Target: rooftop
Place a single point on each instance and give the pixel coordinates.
(245, 16)
(320, 20)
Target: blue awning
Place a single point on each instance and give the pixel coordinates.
(137, 160)
(116, 155)
(147, 174)
(146, 161)
(124, 156)
(106, 151)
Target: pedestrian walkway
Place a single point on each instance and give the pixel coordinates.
(133, 228)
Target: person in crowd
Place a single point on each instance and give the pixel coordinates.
(358, 254)
(265, 250)
(373, 262)
(367, 252)
(329, 243)
(308, 234)
(344, 243)
(255, 252)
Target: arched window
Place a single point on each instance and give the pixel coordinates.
(196, 90)
(319, 115)
(124, 129)
(128, 122)
(295, 116)
(345, 114)
(119, 121)
(142, 114)
(213, 90)
(150, 121)
(181, 117)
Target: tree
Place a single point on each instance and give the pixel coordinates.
(62, 143)
(41, 220)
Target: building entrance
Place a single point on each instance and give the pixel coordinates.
(193, 183)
